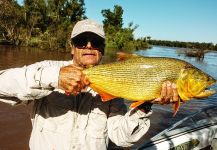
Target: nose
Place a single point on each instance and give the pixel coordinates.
(89, 46)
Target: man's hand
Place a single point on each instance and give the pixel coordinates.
(72, 80)
(169, 94)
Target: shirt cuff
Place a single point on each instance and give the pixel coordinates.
(136, 113)
(49, 77)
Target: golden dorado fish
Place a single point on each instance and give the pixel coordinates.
(140, 79)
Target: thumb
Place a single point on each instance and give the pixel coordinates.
(85, 80)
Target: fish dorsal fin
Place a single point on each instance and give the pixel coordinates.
(124, 56)
(105, 96)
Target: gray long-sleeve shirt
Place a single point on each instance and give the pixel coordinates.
(64, 122)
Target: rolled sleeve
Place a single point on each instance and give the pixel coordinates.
(46, 77)
(127, 129)
(30, 82)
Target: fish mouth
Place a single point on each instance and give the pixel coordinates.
(210, 86)
(208, 91)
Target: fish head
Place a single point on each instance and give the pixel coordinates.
(194, 83)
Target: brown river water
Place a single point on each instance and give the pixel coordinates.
(15, 125)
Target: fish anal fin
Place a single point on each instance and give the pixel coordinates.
(136, 104)
(124, 56)
(176, 106)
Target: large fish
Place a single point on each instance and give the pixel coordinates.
(140, 79)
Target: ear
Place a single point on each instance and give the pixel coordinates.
(72, 49)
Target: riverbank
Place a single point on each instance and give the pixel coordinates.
(5, 42)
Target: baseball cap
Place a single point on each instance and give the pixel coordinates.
(88, 25)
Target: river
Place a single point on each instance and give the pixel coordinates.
(15, 125)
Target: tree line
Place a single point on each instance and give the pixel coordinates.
(180, 44)
(47, 24)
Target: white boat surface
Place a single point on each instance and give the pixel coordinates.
(199, 134)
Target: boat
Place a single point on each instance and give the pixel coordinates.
(199, 134)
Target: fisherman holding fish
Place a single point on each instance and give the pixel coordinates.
(67, 113)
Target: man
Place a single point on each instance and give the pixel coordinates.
(75, 117)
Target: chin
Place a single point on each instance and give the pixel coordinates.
(88, 63)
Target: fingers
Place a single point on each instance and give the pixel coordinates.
(169, 94)
(85, 80)
(74, 88)
(175, 93)
(166, 92)
(72, 80)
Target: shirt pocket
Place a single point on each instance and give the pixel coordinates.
(59, 124)
(97, 122)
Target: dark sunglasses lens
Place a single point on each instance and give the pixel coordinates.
(96, 43)
(80, 42)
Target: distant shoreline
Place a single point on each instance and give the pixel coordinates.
(180, 44)
(5, 42)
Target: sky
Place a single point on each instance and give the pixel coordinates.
(174, 20)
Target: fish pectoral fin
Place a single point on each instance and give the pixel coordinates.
(176, 106)
(106, 97)
(136, 104)
(124, 56)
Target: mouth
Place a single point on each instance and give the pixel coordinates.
(88, 54)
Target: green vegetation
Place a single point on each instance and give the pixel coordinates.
(117, 37)
(190, 45)
(47, 24)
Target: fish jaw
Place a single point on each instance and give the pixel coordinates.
(205, 93)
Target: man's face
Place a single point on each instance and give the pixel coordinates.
(87, 49)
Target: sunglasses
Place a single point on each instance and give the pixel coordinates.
(82, 41)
